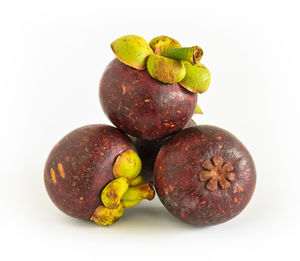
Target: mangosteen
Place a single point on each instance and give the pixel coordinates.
(204, 175)
(91, 171)
(142, 106)
(148, 150)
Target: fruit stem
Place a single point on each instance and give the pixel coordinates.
(190, 54)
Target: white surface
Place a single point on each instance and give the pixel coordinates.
(52, 54)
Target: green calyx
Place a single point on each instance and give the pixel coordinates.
(163, 43)
(132, 50)
(113, 192)
(198, 110)
(164, 69)
(197, 78)
(127, 190)
(128, 165)
(105, 216)
(167, 62)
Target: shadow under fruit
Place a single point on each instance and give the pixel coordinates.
(141, 106)
(204, 175)
(148, 150)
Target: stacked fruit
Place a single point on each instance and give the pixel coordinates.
(202, 174)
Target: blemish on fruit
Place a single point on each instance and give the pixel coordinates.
(73, 164)
(52, 173)
(61, 170)
(219, 138)
(202, 138)
(146, 100)
(203, 202)
(182, 214)
(123, 89)
(235, 200)
(239, 187)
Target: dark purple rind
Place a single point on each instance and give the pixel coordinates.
(141, 106)
(87, 155)
(176, 176)
(148, 150)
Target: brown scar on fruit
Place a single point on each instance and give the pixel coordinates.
(219, 138)
(239, 187)
(235, 200)
(124, 89)
(216, 173)
(52, 173)
(61, 170)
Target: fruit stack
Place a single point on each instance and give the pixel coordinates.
(202, 174)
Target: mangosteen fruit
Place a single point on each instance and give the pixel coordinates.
(204, 175)
(88, 172)
(142, 106)
(148, 150)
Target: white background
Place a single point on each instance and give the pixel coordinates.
(52, 54)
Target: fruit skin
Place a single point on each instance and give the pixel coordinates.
(142, 106)
(148, 150)
(179, 164)
(80, 165)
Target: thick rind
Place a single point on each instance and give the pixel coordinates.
(86, 156)
(176, 176)
(141, 106)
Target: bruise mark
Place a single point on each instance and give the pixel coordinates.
(52, 173)
(61, 170)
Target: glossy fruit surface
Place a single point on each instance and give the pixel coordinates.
(80, 165)
(141, 106)
(204, 175)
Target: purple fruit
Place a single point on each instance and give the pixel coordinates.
(81, 165)
(141, 106)
(204, 175)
